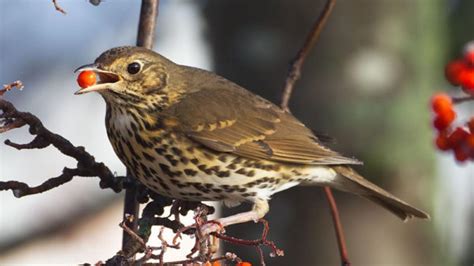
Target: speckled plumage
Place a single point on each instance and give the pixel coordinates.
(190, 134)
(175, 166)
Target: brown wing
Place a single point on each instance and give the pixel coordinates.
(231, 119)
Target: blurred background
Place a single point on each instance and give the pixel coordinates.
(367, 83)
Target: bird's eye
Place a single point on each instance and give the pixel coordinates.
(133, 68)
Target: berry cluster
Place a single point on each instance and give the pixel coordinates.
(460, 72)
(458, 138)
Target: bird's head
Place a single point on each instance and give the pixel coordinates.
(129, 75)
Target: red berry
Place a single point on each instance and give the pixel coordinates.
(442, 142)
(469, 53)
(453, 71)
(441, 102)
(443, 120)
(86, 79)
(466, 79)
(470, 125)
(439, 124)
(469, 57)
(448, 116)
(470, 141)
(457, 138)
(461, 153)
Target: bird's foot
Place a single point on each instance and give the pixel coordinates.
(211, 227)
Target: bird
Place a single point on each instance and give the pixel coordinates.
(190, 134)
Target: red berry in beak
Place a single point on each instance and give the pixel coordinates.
(86, 79)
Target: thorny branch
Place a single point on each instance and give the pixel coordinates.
(293, 75)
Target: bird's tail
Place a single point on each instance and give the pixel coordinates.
(350, 181)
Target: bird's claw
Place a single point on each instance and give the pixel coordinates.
(211, 227)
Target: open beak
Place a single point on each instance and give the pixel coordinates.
(106, 79)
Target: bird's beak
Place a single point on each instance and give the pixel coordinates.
(106, 79)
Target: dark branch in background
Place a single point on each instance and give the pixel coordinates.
(338, 227)
(131, 206)
(293, 75)
(145, 38)
(58, 8)
(295, 70)
(147, 23)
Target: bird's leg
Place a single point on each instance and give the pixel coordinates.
(260, 208)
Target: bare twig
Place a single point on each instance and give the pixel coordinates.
(86, 164)
(148, 251)
(147, 24)
(230, 257)
(164, 244)
(145, 38)
(295, 69)
(130, 232)
(293, 75)
(462, 99)
(263, 241)
(130, 207)
(338, 228)
(58, 8)
(16, 84)
(21, 189)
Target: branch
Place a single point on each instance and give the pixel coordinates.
(147, 23)
(263, 241)
(58, 8)
(11, 118)
(337, 227)
(457, 100)
(151, 217)
(145, 38)
(293, 75)
(295, 69)
(7, 87)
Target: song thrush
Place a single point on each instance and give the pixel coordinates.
(190, 134)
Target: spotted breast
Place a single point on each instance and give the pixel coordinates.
(172, 165)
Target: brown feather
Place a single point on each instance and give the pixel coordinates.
(350, 181)
(261, 130)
